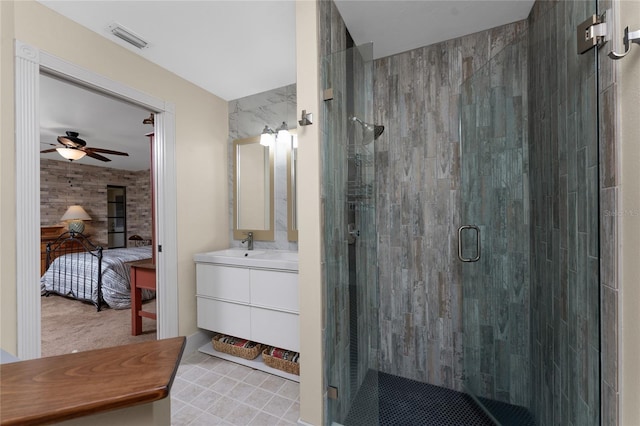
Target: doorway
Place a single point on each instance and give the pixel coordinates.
(30, 61)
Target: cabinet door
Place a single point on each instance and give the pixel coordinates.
(271, 289)
(222, 282)
(224, 317)
(275, 328)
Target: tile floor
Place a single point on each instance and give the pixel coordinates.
(212, 391)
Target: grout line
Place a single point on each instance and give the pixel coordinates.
(192, 363)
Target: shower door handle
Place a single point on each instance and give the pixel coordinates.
(460, 256)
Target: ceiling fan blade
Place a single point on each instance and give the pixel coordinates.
(105, 151)
(97, 156)
(48, 150)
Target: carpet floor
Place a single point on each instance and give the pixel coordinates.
(69, 325)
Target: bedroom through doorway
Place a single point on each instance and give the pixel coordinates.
(116, 193)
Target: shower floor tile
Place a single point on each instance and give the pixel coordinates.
(399, 401)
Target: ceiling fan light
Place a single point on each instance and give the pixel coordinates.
(71, 154)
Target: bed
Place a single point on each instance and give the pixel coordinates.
(79, 269)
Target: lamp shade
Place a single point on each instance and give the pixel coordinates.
(70, 153)
(75, 216)
(75, 213)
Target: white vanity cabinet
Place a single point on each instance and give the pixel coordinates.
(274, 308)
(251, 302)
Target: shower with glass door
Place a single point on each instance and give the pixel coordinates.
(460, 253)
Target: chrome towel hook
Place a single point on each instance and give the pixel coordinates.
(629, 37)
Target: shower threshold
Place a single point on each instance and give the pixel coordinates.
(388, 400)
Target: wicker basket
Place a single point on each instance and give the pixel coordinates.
(279, 363)
(246, 353)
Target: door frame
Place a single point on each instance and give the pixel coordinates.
(29, 63)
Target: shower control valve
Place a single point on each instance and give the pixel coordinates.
(351, 228)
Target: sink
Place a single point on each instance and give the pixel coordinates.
(232, 252)
(272, 259)
(291, 256)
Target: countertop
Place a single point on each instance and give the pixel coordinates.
(57, 388)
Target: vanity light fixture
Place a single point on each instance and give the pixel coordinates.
(127, 35)
(268, 136)
(283, 130)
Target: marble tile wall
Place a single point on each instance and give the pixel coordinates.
(416, 96)
(89, 189)
(247, 117)
(563, 152)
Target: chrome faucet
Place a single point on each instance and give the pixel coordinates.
(248, 240)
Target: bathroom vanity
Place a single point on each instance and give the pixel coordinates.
(251, 294)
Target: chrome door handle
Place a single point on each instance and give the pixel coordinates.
(460, 256)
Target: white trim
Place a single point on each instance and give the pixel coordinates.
(27, 143)
(165, 177)
(71, 72)
(195, 342)
(30, 61)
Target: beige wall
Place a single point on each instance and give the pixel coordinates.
(201, 145)
(309, 237)
(8, 309)
(629, 95)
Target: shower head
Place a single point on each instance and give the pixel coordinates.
(367, 128)
(377, 130)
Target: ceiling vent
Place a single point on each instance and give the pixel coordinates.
(127, 35)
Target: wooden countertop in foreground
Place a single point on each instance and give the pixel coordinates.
(57, 388)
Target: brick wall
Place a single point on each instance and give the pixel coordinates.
(63, 184)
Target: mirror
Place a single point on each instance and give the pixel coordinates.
(292, 199)
(253, 189)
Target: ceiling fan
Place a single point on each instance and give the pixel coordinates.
(73, 148)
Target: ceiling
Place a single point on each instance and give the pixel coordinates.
(396, 26)
(238, 48)
(101, 121)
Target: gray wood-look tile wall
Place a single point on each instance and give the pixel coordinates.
(563, 151)
(417, 96)
(335, 250)
(609, 142)
(494, 182)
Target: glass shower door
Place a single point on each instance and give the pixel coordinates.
(350, 266)
(529, 244)
(494, 232)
